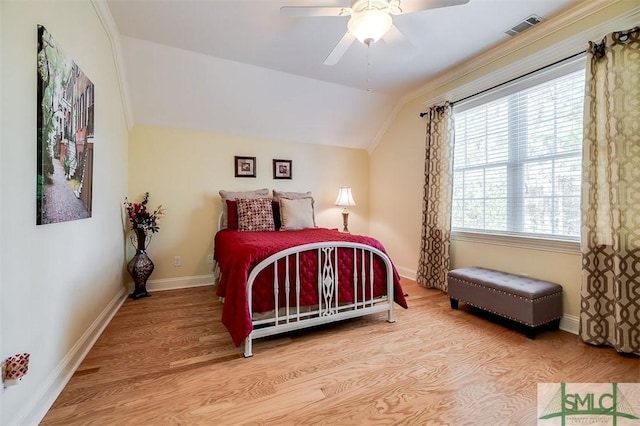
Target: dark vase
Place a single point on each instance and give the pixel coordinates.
(140, 266)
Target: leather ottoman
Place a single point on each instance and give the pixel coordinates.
(526, 300)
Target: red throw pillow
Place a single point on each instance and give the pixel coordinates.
(276, 214)
(232, 215)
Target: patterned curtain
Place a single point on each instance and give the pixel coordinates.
(438, 189)
(610, 305)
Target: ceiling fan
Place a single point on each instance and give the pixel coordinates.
(369, 20)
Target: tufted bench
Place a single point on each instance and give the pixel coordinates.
(529, 301)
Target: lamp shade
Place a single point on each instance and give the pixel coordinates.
(345, 199)
(369, 25)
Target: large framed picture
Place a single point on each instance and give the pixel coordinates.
(245, 166)
(282, 169)
(65, 135)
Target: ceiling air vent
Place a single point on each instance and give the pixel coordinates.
(521, 26)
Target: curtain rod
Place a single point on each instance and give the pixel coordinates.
(422, 114)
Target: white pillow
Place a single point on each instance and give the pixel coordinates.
(236, 195)
(296, 214)
(290, 195)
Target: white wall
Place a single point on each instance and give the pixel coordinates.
(176, 88)
(55, 279)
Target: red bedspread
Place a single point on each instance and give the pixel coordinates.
(238, 252)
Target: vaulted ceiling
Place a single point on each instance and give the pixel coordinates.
(239, 67)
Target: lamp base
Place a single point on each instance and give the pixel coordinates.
(345, 221)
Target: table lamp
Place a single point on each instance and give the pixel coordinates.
(345, 199)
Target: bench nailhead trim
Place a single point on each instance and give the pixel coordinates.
(508, 317)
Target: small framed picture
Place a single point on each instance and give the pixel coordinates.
(282, 169)
(245, 166)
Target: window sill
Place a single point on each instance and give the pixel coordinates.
(560, 246)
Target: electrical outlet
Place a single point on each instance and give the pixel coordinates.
(177, 261)
(210, 258)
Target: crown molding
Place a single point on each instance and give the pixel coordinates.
(557, 23)
(545, 29)
(110, 27)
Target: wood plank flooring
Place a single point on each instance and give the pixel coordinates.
(167, 359)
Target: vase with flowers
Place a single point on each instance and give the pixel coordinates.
(143, 224)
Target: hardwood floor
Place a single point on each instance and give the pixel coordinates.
(168, 360)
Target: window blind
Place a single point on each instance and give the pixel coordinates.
(517, 158)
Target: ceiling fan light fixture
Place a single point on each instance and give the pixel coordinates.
(369, 25)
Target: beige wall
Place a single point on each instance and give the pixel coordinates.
(57, 278)
(183, 170)
(396, 177)
(396, 186)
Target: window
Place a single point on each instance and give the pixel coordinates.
(517, 158)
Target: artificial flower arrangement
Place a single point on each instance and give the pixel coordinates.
(141, 219)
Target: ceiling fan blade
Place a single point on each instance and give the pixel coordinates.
(310, 11)
(410, 6)
(401, 44)
(393, 35)
(340, 49)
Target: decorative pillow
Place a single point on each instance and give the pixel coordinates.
(255, 214)
(236, 195)
(232, 215)
(276, 214)
(296, 214)
(232, 211)
(291, 195)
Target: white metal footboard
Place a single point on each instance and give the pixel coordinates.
(289, 317)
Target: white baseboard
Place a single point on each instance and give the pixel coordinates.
(58, 379)
(178, 283)
(570, 323)
(407, 273)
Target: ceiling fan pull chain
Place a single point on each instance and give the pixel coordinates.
(368, 68)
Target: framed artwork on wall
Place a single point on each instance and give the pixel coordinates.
(282, 169)
(65, 135)
(245, 166)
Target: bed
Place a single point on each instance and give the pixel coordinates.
(276, 281)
